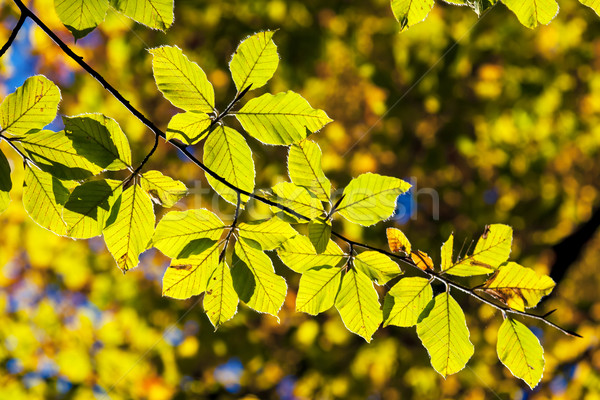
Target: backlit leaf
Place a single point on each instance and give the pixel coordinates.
(5, 182)
(187, 277)
(533, 12)
(447, 249)
(300, 255)
(283, 118)
(398, 241)
(411, 12)
(319, 233)
(443, 331)
(518, 287)
(31, 107)
(422, 260)
(163, 189)
(520, 351)
(378, 267)
(406, 300)
(182, 81)
(298, 199)
(44, 197)
(317, 289)
(155, 14)
(220, 299)
(304, 166)
(270, 234)
(371, 198)
(130, 227)
(255, 61)
(358, 304)
(81, 16)
(188, 127)
(593, 4)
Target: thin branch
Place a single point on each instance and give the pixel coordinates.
(13, 34)
(238, 205)
(25, 158)
(222, 115)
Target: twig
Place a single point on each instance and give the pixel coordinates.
(238, 205)
(25, 158)
(13, 34)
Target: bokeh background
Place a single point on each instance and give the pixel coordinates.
(493, 122)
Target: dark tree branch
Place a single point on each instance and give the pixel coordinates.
(13, 34)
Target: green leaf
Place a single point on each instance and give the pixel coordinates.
(443, 331)
(88, 207)
(53, 152)
(532, 12)
(31, 107)
(5, 183)
(188, 127)
(44, 197)
(447, 250)
(298, 199)
(255, 61)
(492, 249)
(283, 118)
(317, 289)
(182, 81)
(183, 234)
(227, 153)
(81, 16)
(155, 14)
(520, 351)
(304, 166)
(406, 300)
(270, 234)
(163, 189)
(319, 233)
(518, 287)
(255, 281)
(371, 198)
(100, 140)
(411, 12)
(130, 227)
(187, 277)
(593, 4)
(358, 304)
(220, 299)
(300, 255)
(378, 267)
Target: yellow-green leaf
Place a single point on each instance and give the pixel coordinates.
(317, 289)
(518, 287)
(304, 167)
(163, 189)
(220, 299)
(358, 304)
(411, 12)
(371, 198)
(81, 16)
(183, 234)
(270, 234)
(155, 14)
(378, 267)
(520, 351)
(447, 250)
(227, 153)
(130, 227)
(319, 233)
(283, 118)
(255, 281)
(255, 61)
(182, 81)
(406, 300)
(188, 127)
(593, 4)
(398, 241)
(44, 197)
(187, 277)
(31, 107)
(5, 182)
(533, 12)
(88, 207)
(300, 255)
(298, 199)
(443, 331)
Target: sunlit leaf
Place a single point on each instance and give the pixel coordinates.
(183, 234)
(317, 289)
(188, 127)
(447, 250)
(187, 277)
(378, 267)
(270, 234)
(406, 300)
(182, 81)
(422, 260)
(5, 182)
(255, 280)
(304, 167)
(398, 241)
(163, 189)
(300, 255)
(88, 207)
(130, 227)
(100, 140)
(492, 249)
(371, 198)
(227, 153)
(81, 16)
(319, 233)
(255, 61)
(31, 107)
(411, 12)
(44, 197)
(518, 287)
(155, 14)
(520, 351)
(443, 331)
(298, 199)
(593, 4)
(283, 118)
(533, 12)
(358, 304)
(220, 299)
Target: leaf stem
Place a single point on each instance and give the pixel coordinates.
(25, 158)
(232, 226)
(237, 98)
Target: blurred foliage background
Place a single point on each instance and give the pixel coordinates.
(492, 122)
